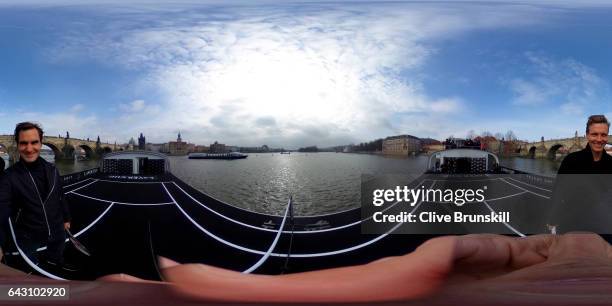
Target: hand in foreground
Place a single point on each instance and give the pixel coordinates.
(547, 267)
(66, 225)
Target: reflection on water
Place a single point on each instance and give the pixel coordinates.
(319, 182)
(544, 167)
(70, 166)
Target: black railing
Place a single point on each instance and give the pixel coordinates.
(531, 178)
(77, 176)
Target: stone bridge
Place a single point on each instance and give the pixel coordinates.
(62, 147)
(554, 148)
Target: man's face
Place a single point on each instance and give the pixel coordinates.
(29, 145)
(597, 136)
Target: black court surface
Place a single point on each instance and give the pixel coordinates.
(126, 223)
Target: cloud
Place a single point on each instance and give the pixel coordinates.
(314, 73)
(528, 93)
(58, 123)
(265, 122)
(572, 109)
(77, 108)
(450, 105)
(554, 3)
(565, 83)
(132, 107)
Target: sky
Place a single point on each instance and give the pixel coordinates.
(300, 73)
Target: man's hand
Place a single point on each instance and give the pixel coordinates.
(569, 269)
(66, 225)
(445, 267)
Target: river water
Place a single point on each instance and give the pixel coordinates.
(319, 182)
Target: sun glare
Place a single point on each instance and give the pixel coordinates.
(285, 83)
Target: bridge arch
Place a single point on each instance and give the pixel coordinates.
(557, 151)
(107, 150)
(56, 150)
(532, 152)
(89, 152)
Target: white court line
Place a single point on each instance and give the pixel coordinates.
(534, 186)
(519, 187)
(223, 216)
(73, 191)
(359, 245)
(83, 230)
(258, 213)
(505, 197)
(505, 223)
(128, 182)
(27, 260)
(285, 232)
(120, 203)
(273, 245)
(89, 178)
(94, 221)
(458, 179)
(209, 233)
(239, 247)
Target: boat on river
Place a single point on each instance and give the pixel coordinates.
(230, 155)
(132, 209)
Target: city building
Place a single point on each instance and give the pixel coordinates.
(165, 148)
(157, 147)
(262, 149)
(178, 147)
(429, 145)
(142, 144)
(401, 145)
(190, 147)
(201, 149)
(131, 144)
(218, 148)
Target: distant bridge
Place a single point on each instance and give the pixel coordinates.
(62, 147)
(554, 148)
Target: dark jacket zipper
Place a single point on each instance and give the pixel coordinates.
(17, 218)
(40, 198)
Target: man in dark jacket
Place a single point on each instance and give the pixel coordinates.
(31, 192)
(583, 187)
(592, 159)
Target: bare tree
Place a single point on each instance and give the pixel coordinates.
(486, 134)
(471, 134)
(510, 136)
(499, 136)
